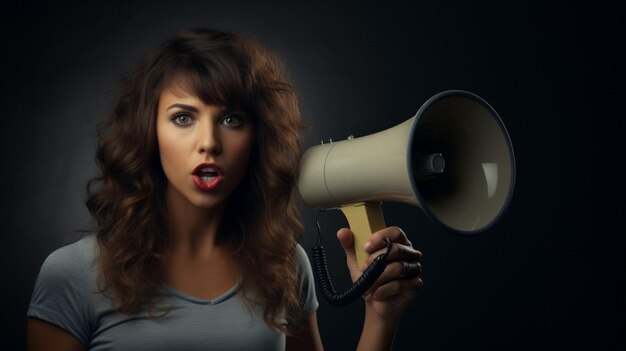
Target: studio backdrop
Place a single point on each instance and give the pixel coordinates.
(548, 274)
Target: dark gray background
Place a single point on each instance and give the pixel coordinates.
(550, 275)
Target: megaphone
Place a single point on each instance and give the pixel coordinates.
(453, 159)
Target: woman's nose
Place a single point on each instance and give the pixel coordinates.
(210, 141)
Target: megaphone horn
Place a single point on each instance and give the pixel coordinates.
(453, 159)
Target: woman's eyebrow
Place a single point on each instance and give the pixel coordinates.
(187, 107)
(193, 108)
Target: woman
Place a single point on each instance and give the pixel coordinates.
(196, 225)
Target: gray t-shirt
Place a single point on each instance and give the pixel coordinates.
(63, 295)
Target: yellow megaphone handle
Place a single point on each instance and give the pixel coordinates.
(364, 219)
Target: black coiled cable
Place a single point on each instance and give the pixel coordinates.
(364, 282)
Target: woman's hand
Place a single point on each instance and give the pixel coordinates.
(400, 282)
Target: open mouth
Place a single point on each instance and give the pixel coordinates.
(207, 174)
(207, 177)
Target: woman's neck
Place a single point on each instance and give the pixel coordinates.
(196, 264)
(194, 230)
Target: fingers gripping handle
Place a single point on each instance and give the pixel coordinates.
(364, 219)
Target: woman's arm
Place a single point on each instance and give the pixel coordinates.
(385, 301)
(392, 292)
(308, 338)
(376, 335)
(41, 335)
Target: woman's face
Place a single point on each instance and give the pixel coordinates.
(204, 149)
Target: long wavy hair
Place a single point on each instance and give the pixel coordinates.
(261, 220)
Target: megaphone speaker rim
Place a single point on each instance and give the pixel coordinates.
(409, 154)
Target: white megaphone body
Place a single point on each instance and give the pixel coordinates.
(453, 159)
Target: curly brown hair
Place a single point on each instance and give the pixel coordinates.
(261, 220)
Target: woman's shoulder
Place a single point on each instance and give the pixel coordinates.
(307, 284)
(302, 259)
(76, 260)
(83, 249)
(62, 291)
(300, 251)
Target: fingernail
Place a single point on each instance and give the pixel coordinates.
(367, 246)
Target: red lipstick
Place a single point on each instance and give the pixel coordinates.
(207, 176)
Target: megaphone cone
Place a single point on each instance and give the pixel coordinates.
(453, 159)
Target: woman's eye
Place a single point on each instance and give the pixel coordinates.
(182, 119)
(231, 120)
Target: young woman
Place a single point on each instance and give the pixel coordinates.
(196, 224)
